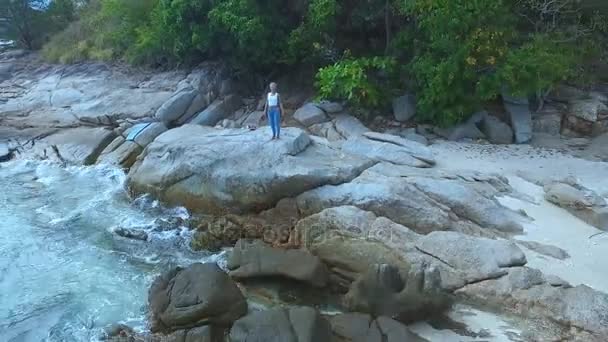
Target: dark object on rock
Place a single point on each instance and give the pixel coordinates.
(383, 290)
(197, 295)
(131, 233)
(256, 259)
(5, 153)
(301, 324)
(116, 331)
(358, 327)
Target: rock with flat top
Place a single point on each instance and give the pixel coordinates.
(310, 114)
(215, 171)
(254, 259)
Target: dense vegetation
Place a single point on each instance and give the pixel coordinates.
(455, 54)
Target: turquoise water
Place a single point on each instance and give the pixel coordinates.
(64, 275)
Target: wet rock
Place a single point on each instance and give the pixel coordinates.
(200, 294)
(116, 331)
(131, 233)
(385, 290)
(252, 259)
(404, 108)
(581, 202)
(120, 153)
(310, 114)
(521, 117)
(299, 324)
(478, 258)
(358, 327)
(218, 110)
(242, 171)
(496, 131)
(5, 153)
(77, 146)
(348, 126)
(167, 224)
(548, 250)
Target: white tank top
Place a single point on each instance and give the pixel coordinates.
(273, 100)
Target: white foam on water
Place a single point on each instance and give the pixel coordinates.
(56, 243)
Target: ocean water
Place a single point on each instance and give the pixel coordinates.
(64, 276)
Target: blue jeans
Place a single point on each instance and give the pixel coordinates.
(274, 119)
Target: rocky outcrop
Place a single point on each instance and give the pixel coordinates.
(348, 126)
(200, 294)
(77, 146)
(424, 201)
(254, 259)
(404, 108)
(354, 327)
(526, 291)
(297, 324)
(579, 201)
(477, 258)
(383, 290)
(310, 114)
(496, 131)
(234, 170)
(547, 250)
(521, 117)
(218, 110)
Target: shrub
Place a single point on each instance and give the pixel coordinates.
(356, 80)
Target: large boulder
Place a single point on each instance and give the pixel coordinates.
(579, 201)
(348, 126)
(423, 200)
(176, 106)
(217, 111)
(358, 327)
(251, 259)
(384, 290)
(200, 294)
(404, 107)
(528, 292)
(389, 148)
(588, 109)
(310, 114)
(237, 171)
(521, 117)
(326, 130)
(146, 134)
(296, 324)
(330, 107)
(496, 131)
(78, 146)
(120, 153)
(479, 258)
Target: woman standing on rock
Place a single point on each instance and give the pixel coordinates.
(274, 110)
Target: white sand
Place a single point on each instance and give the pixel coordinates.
(552, 225)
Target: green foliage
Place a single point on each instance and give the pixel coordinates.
(462, 42)
(312, 38)
(355, 80)
(537, 65)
